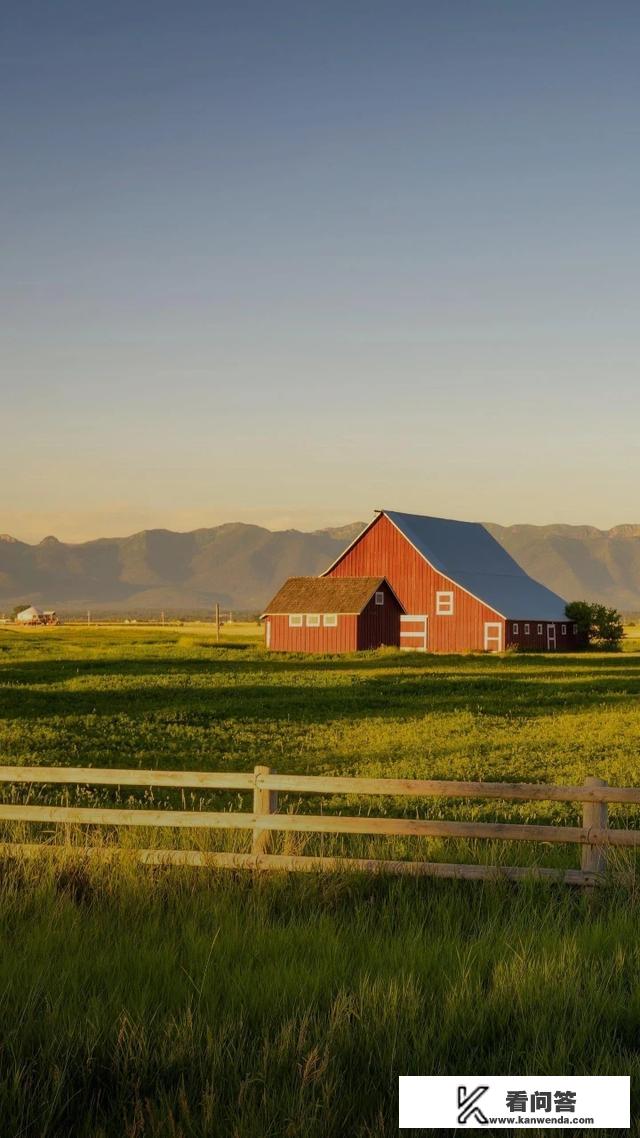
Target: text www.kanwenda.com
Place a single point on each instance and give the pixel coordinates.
(541, 1121)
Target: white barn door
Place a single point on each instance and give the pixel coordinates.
(492, 636)
(413, 633)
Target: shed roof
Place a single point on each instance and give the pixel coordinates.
(468, 554)
(324, 594)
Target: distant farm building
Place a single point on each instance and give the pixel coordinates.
(333, 614)
(458, 591)
(34, 616)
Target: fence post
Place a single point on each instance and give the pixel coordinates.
(264, 802)
(595, 816)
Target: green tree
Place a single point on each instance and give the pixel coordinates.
(18, 608)
(600, 627)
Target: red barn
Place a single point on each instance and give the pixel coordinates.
(333, 614)
(460, 590)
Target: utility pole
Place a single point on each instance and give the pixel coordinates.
(217, 620)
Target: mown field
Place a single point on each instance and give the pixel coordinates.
(138, 1001)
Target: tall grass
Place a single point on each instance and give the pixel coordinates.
(163, 1003)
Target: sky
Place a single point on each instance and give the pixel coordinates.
(290, 262)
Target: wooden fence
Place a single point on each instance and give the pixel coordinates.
(594, 836)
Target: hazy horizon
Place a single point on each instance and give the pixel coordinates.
(305, 261)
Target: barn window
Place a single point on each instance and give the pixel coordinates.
(380, 598)
(330, 620)
(313, 620)
(295, 620)
(444, 604)
(527, 629)
(575, 630)
(516, 629)
(539, 630)
(564, 630)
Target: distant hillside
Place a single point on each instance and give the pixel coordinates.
(241, 566)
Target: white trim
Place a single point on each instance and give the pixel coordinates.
(516, 628)
(489, 639)
(296, 620)
(527, 629)
(267, 633)
(540, 629)
(552, 641)
(409, 617)
(330, 620)
(564, 629)
(379, 597)
(441, 595)
(313, 620)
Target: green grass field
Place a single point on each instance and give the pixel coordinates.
(139, 1001)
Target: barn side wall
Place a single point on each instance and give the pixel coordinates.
(343, 638)
(379, 625)
(384, 552)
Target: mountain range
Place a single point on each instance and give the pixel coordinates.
(241, 566)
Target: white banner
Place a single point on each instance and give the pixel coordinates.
(445, 1102)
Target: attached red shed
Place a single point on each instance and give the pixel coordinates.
(460, 590)
(333, 614)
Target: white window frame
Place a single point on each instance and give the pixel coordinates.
(330, 620)
(516, 629)
(540, 630)
(564, 630)
(444, 602)
(380, 597)
(527, 629)
(313, 620)
(575, 630)
(296, 620)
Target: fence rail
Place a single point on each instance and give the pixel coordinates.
(594, 837)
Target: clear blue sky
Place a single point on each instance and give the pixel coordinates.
(288, 262)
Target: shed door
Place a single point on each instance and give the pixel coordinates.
(551, 638)
(492, 636)
(413, 633)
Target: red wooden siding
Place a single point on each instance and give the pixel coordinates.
(383, 551)
(343, 638)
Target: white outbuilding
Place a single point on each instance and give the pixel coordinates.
(32, 615)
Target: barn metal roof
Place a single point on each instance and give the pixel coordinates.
(324, 594)
(468, 554)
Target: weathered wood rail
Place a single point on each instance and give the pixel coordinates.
(594, 837)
